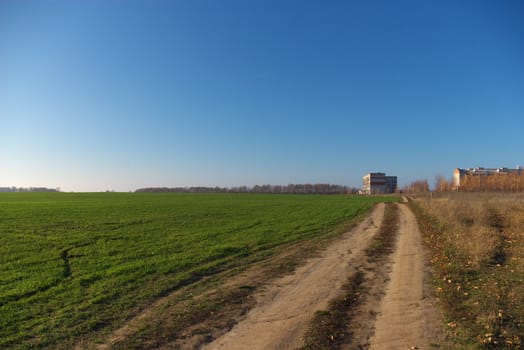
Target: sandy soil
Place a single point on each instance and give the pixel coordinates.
(407, 318)
(286, 306)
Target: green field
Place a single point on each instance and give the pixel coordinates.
(72, 264)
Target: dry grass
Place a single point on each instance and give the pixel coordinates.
(476, 241)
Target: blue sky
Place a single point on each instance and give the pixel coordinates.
(98, 95)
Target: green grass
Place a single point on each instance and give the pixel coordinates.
(72, 264)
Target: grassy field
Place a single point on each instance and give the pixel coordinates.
(476, 242)
(72, 264)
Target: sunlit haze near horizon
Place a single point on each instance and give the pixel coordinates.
(119, 95)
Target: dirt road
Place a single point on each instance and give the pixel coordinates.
(285, 308)
(397, 313)
(408, 318)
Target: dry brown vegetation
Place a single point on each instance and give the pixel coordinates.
(419, 186)
(499, 182)
(476, 242)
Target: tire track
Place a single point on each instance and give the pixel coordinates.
(285, 308)
(408, 317)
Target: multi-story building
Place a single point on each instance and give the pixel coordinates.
(378, 183)
(460, 174)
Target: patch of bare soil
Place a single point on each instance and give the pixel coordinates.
(407, 316)
(342, 324)
(285, 307)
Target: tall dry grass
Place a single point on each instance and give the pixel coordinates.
(476, 242)
(476, 223)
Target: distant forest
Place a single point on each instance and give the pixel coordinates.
(28, 189)
(273, 189)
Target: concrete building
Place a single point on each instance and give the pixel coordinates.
(460, 174)
(378, 183)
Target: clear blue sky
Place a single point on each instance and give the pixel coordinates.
(98, 95)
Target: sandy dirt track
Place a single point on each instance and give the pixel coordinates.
(408, 318)
(286, 306)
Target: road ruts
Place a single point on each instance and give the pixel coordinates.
(407, 318)
(284, 311)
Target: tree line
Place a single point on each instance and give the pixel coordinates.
(493, 183)
(270, 189)
(28, 189)
(419, 186)
(471, 183)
